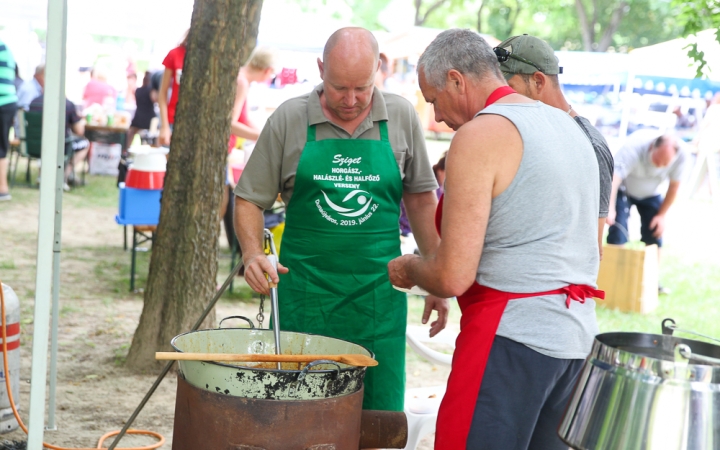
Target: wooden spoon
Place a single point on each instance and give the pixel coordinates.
(350, 359)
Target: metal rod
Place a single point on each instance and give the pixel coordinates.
(57, 248)
(133, 254)
(273, 257)
(276, 322)
(675, 328)
(53, 146)
(165, 370)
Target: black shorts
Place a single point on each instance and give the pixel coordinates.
(75, 144)
(522, 399)
(7, 116)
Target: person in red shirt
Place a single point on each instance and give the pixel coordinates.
(173, 63)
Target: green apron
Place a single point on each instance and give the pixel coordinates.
(340, 233)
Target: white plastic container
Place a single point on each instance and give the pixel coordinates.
(148, 159)
(12, 320)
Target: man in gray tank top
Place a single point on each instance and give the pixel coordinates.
(531, 68)
(519, 226)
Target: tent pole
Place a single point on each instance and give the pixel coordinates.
(625, 117)
(53, 143)
(56, 290)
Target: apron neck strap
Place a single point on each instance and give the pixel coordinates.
(311, 133)
(383, 132)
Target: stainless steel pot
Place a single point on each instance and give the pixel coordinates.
(645, 391)
(295, 381)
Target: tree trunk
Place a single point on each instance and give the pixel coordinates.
(613, 25)
(586, 29)
(183, 265)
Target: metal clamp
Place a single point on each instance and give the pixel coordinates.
(669, 329)
(252, 325)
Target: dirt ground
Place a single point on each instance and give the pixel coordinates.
(98, 315)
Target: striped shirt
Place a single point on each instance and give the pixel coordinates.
(7, 76)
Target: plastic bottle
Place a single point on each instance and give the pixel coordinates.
(120, 104)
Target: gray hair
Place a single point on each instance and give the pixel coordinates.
(463, 50)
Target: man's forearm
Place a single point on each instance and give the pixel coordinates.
(421, 214)
(249, 227)
(669, 198)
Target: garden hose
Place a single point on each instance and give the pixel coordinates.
(160, 437)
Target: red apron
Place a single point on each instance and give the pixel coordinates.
(482, 308)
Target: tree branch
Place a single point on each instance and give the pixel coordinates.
(511, 23)
(429, 11)
(479, 17)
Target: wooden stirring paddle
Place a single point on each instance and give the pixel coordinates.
(350, 359)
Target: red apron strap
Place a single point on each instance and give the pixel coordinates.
(479, 321)
(438, 214)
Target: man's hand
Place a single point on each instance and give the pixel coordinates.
(164, 136)
(657, 225)
(255, 269)
(442, 306)
(612, 213)
(397, 269)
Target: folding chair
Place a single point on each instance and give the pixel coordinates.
(30, 130)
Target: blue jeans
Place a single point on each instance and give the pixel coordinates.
(647, 208)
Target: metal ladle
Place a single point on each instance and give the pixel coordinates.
(273, 258)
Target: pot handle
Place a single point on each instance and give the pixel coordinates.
(252, 325)
(304, 372)
(668, 327)
(295, 384)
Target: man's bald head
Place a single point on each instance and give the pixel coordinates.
(349, 41)
(350, 62)
(663, 150)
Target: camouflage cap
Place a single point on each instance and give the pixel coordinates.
(526, 54)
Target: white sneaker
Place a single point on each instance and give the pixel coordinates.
(5, 197)
(66, 187)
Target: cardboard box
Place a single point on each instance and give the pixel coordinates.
(629, 278)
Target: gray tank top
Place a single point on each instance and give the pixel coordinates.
(542, 233)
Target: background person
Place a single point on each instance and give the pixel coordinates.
(8, 109)
(75, 143)
(531, 68)
(518, 248)
(98, 90)
(144, 112)
(173, 63)
(342, 157)
(644, 163)
(259, 68)
(32, 88)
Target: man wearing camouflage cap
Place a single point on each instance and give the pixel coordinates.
(531, 68)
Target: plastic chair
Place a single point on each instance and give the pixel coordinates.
(422, 404)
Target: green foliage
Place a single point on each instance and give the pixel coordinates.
(694, 16)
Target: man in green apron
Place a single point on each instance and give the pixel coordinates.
(343, 157)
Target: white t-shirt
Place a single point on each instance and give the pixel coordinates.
(640, 176)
